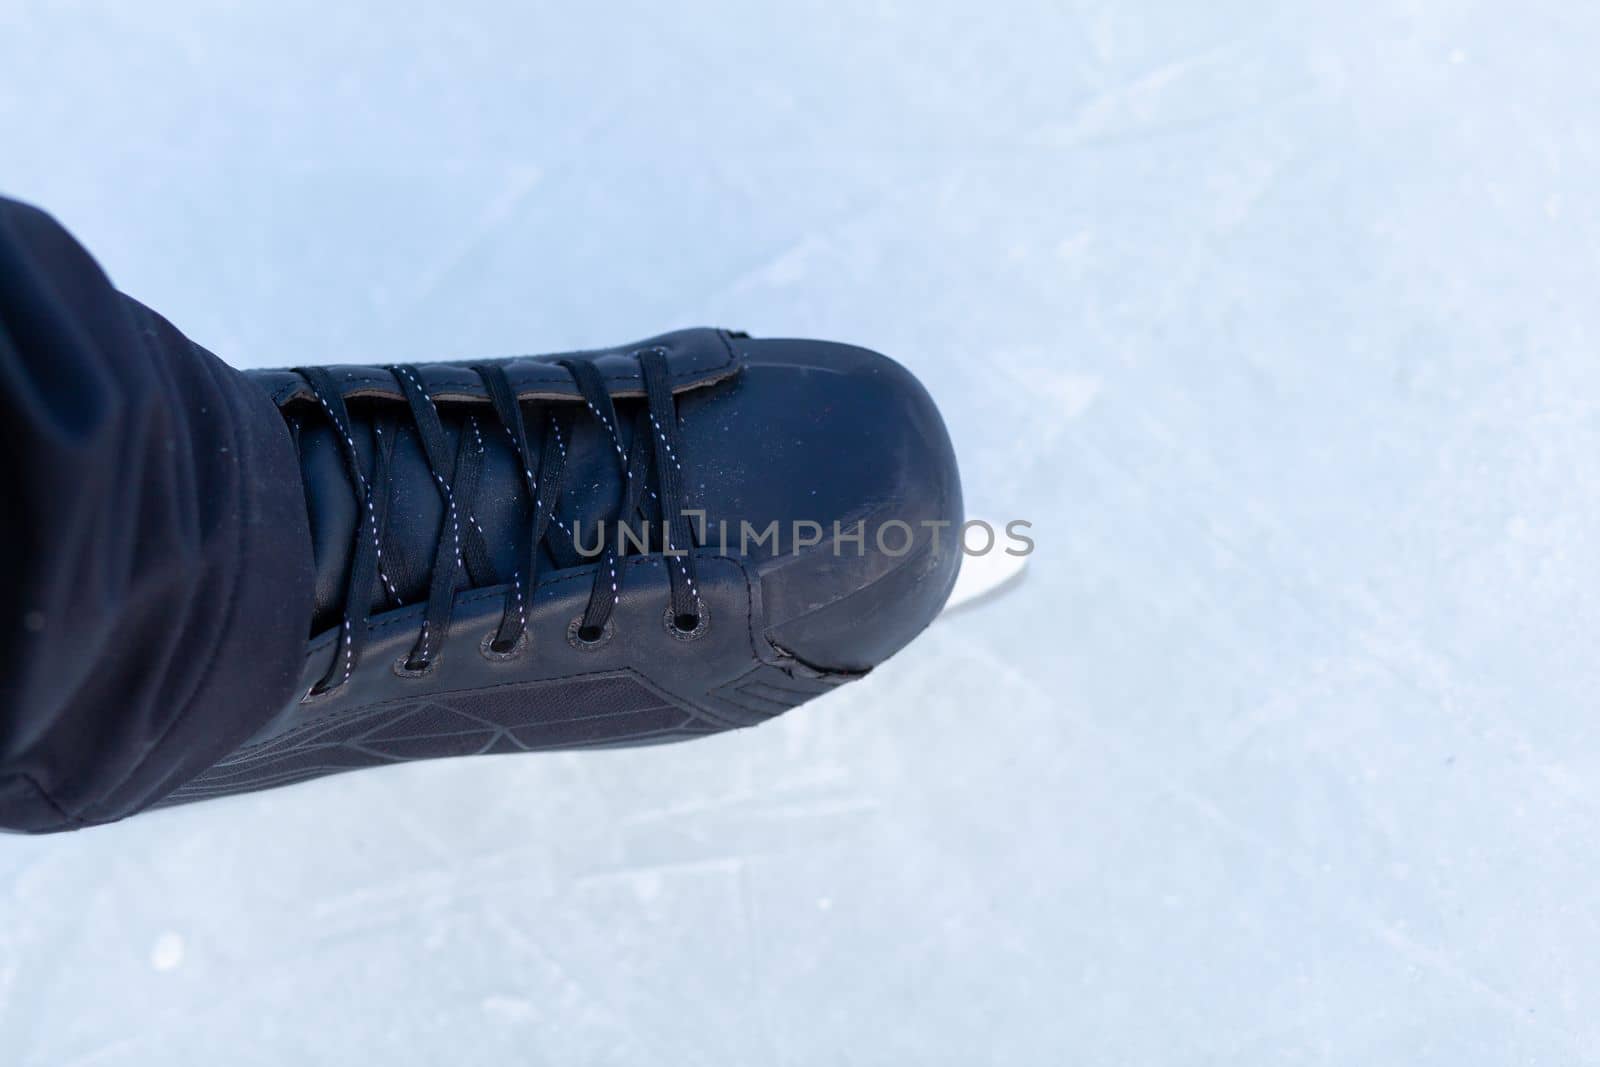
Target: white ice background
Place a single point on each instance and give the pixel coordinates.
(1279, 321)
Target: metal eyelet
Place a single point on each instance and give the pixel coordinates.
(403, 668)
(702, 623)
(495, 655)
(576, 639)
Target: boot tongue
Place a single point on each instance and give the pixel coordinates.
(416, 505)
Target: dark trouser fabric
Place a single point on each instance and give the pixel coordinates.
(155, 565)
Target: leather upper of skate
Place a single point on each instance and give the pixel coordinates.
(626, 546)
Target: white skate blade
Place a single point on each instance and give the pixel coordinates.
(984, 576)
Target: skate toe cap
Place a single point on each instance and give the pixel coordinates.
(844, 451)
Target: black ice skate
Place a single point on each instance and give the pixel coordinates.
(622, 547)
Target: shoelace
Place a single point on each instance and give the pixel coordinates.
(461, 545)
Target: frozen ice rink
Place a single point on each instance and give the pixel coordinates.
(1279, 322)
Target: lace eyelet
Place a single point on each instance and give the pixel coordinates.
(577, 639)
(404, 669)
(495, 655)
(702, 623)
(317, 692)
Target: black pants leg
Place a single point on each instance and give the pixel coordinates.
(155, 566)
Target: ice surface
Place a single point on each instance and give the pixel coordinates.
(1278, 321)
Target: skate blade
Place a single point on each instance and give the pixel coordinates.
(983, 577)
